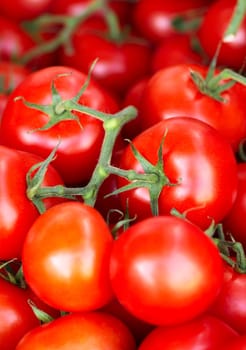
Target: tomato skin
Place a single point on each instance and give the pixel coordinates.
(233, 222)
(17, 317)
(165, 270)
(232, 53)
(189, 146)
(204, 333)
(84, 331)
(230, 303)
(171, 93)
(17, 212)
(79, 147)
(237, 344)
(68, 249)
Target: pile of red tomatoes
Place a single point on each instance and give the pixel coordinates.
(123, 175)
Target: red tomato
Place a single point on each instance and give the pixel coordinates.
(67, 250)
(84, 331)
(171, 92)
(154, 19)
(121, 62)
(230, 305)
(199, 163)
(165, 270)
(173, 50)
(234, 222)
(20, 10)
(233, 51)
(204, 333)
(16, 315)
(79, 146)
(15, 42)
(17, 212)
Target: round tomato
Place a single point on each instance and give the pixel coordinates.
(233, 51)
(198, 174)
(17, 212)
(84, 331)
(121, 61)
(165, 270)
(230, 305)
(154, 19)
(80, 143)
(204, 333)
(171, 92)
(16, 315)
(66, 257)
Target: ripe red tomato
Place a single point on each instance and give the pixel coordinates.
(16, 315)
(121, 61)
(171, 92)
(205, 333)
(79, 147)
(197, 160)
(84, 331)
(67, 250)
(165, 270)
(233, 52)
(154, 19)
(17, 212)
(230, 305)
(233, 222)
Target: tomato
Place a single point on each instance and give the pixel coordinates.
(121, 61)
(20, 10)
(15, 43)
(204, 333)
(233, 222)
(175, 49)
(197, 161)
(16, 315)
(165, 270)
(154, 19)
(232, 53)
(17, 212)
(84, 331)
(79, 147)
(171, 92)
(67, 249)
(230, 303)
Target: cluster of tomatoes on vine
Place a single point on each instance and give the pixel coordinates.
(122, 174)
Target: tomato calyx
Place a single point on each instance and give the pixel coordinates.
(153, 178)
(214, 84)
